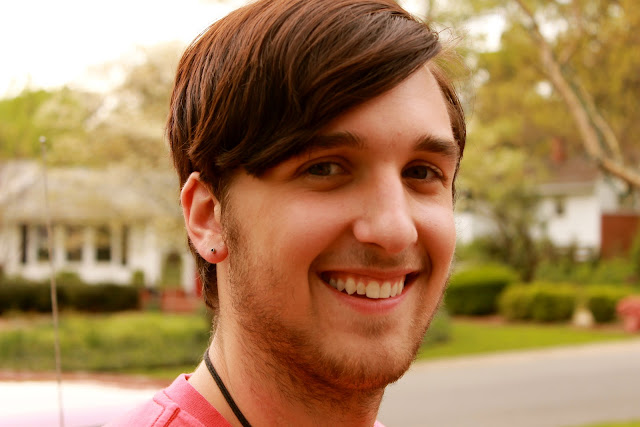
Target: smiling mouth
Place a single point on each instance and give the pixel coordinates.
(360, 286)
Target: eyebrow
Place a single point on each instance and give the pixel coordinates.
(427, 143)
(435, 144)
(335, 140)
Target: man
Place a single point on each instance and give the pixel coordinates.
(317, 144)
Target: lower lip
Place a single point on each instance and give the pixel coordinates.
(369, 306)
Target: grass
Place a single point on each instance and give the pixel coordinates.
(164, 345)
(476, 337)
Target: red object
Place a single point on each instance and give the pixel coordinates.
(177, 301)
(629, 310)
(618, 231)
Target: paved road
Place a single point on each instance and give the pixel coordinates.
(548, 388)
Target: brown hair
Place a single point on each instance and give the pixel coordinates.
(258, 85)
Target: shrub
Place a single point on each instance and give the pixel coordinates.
(27, 296)
(553, 303)
(475, 290)
(540, 302)
(23, 295)
(103, 297)
(515, 302)
(602, 300)
(106, 342)
(611, 271)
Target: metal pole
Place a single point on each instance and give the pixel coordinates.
(54, 294)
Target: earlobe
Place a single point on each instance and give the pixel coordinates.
(201, 211)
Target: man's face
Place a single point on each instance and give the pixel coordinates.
(367, 210)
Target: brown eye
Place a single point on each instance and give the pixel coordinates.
(324, 169)
(418, 172)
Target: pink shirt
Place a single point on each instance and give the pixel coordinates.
(179, 405)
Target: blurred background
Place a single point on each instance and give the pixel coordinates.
(548, 197)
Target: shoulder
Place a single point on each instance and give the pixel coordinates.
(179, 405)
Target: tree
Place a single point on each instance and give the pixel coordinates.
(586, 52)
(127, 127)
(565, 70)
(120, 132)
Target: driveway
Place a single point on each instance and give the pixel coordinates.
(555, 388)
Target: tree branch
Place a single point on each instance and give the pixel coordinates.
(603, 126)
(570, 49)
(586, 124)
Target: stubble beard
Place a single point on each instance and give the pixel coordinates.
(289, 356)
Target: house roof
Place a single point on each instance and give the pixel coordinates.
(81, 194)
(570, 176)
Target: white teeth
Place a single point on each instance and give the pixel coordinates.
(373, 290)
(385, 290)
(350, 286)
(394, 290)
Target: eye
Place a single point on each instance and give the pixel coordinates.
(421, 172)
(325, 169)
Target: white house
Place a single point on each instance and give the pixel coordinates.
(107, 224)
(575, 198)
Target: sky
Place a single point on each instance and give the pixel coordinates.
(50, 43)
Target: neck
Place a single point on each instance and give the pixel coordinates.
(269, 394)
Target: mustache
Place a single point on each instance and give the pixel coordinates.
(369, 257)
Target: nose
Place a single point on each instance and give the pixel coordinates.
(385, 218)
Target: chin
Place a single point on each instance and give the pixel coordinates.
(370, 365)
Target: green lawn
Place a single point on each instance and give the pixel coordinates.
(475, 337)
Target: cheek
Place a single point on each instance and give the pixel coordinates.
(299, 228)
(437, 228)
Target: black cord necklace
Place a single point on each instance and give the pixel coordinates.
(224, 391)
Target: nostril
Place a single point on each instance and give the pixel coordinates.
(393, 233)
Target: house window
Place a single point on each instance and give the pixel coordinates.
(23, 243)
(103, 244)
(125, 244)
(42, 243)
(73, 243)
(559, 204)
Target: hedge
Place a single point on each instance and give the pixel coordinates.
(540, 302)
(474, 291)
(107, 343)
(20, 295)
(602, 300)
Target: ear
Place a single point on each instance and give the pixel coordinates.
(202, 213)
